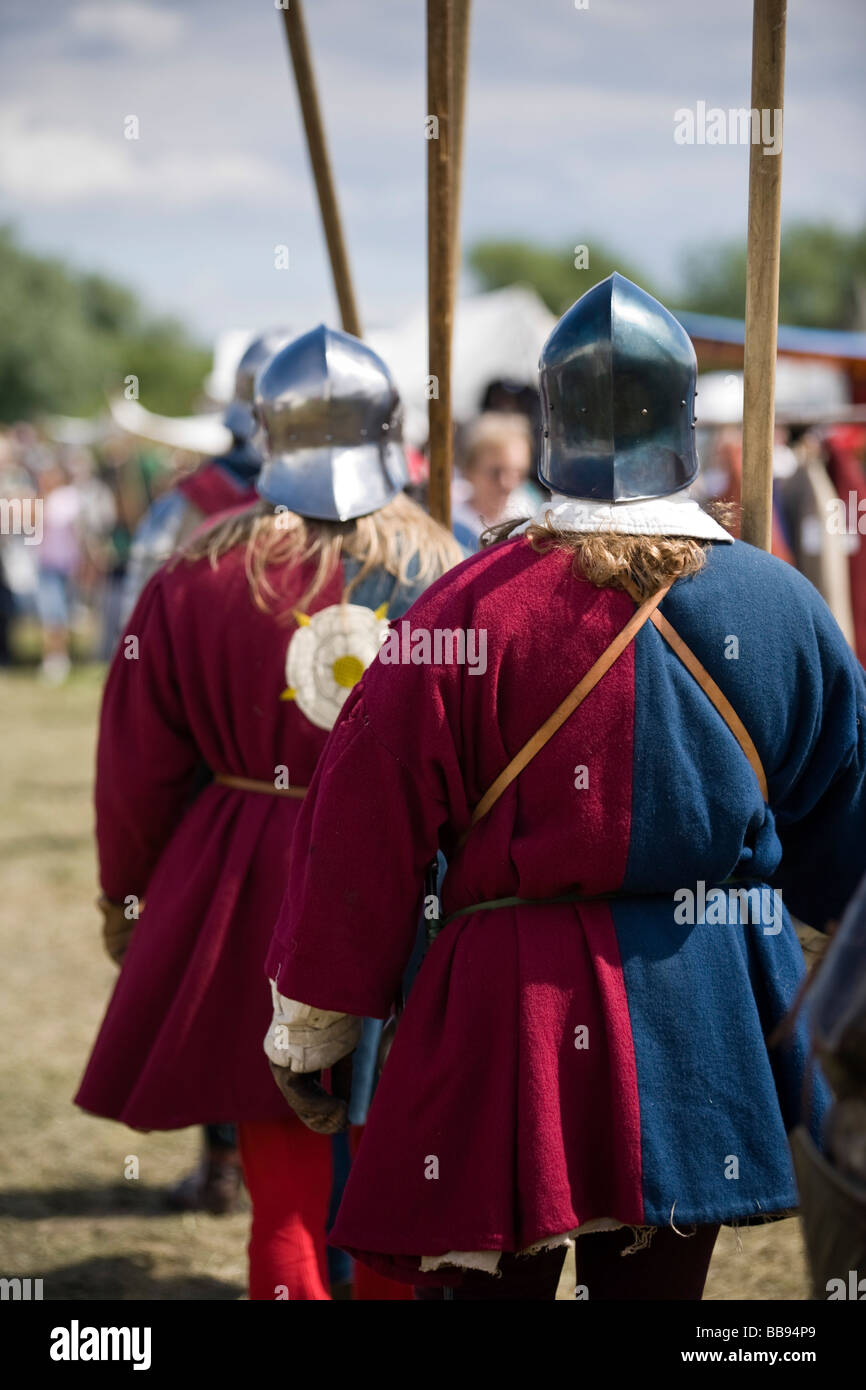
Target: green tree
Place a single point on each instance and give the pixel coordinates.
(550, 271)
(822, 278)
(66, 338)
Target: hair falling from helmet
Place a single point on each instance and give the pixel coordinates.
(394, 538)
(613, 560)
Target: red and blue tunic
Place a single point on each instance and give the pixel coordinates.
(563, 1063)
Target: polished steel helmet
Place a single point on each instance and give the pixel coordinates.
(617, 378)
(239, 417)
(331, 418)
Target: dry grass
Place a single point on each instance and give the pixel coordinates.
(68, 1214)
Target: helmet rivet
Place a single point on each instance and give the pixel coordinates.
(386, 426)
(644, 412)
(583, 410)
(682, 402)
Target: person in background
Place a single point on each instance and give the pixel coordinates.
(59, 556)
(218, 485)
(833, 1182)
(495, 484)
(97, 522)
(18, 567)
(245, 649)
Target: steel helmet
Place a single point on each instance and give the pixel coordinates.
(331, 418)
(239, 417)
(617, 378)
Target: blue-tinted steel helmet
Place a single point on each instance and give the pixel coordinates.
(330, 413)
(617, 379)
(239, 416)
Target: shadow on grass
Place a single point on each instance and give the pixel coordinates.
(108, 1199)
(123, 1278)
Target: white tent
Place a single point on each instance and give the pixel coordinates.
(804, 390)
(496, 335)
(196, 434)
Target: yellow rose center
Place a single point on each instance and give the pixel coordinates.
(347, 670)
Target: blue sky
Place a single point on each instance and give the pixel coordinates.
(570, 123)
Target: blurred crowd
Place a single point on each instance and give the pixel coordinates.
(66, 596)
(62, 571)
(819, 507)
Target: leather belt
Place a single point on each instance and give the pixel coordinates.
(251, 784)
(615, 895)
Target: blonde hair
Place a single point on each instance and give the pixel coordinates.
(494, 429)
(612, 560)
(389, 539)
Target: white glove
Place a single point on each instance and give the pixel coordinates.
(305, 1039)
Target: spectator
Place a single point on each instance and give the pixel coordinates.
(495, 485)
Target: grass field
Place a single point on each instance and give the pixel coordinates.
(67, 1213)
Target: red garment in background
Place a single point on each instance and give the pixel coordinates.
(731, 458)
(287, 1170)
(181, 1042)
(846, 448)
(214, 488)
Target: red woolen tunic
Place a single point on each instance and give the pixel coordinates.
(181, 1042)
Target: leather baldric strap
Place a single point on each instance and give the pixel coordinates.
(250, 784)
(647, 612)
(713, 693)
(568, 706)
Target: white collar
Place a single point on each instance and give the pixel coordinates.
(677, 515)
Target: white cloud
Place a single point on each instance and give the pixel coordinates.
(130, 24)
(44, 164)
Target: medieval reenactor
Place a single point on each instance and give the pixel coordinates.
(661, 756)
(833, 1182)
(218, 485)
(239, 657)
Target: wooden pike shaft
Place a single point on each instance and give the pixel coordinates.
(762, 276)
(460, 64)
(296, 34)
(440, 251)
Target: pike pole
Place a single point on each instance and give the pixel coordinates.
(441, 228)
(293, 17)
(762, 276)
(460, 64)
